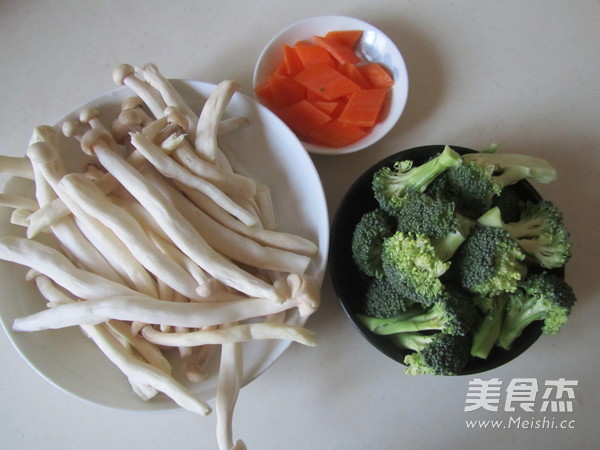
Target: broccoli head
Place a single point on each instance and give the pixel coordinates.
(540, 232)
(423, 214)
(435, 218)
(390, 184)
(470, 188)
(540, 297)
(412, 266)
(382, 300)
(489, 262)
(435, 354)
(482, 177)
(453, 313)
(367, 241)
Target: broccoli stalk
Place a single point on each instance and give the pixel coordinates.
(451, 315)
(508, 169)
(390, 184)
(544, 297)
(483, 176)
(540, 232)
(435, 354)
(486, 333)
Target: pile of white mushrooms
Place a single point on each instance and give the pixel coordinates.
(165, 244)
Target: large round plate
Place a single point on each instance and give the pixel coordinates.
(272, 153)
(350, 284)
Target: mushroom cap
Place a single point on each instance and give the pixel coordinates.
(121, 72)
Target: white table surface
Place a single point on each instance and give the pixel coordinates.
(523, 74)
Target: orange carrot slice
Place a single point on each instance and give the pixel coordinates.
(285, 91)
(303, 117)
(332, 109)
(363, 108)
(352, 72)
(336, 134)
(347, 37)
(325, 81)
(311, 55)
(264, 91)
(377, 76)
(341, 52)
(292, 61)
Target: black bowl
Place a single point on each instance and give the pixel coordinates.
(350, 284)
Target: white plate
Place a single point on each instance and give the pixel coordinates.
(272, 153)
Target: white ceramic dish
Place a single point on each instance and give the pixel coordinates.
(374, 46)
(271, 152)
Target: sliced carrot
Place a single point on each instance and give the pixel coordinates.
(376, 75)
(364, 108)
(311, 55)
(329, 108)
(264, 91)
(292, 61)
(281, 69)
(303, 117)
(326, 81)
(312, 96)
(341, 52)
(352, 72)
(336, 134)
(285, 91)
(324, 92)
(347, 37)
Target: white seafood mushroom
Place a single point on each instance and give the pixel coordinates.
(180, 231)
(124, 75)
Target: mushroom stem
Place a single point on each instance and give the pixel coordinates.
(124, 74)
(171, 169)
(205, 141)
(231, 334)
(52, 263)
(180, 231)
(95, 203)
(228, 388)
(18, 201)
(17, 166)
(169, 94)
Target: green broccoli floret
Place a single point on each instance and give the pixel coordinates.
(367, 241)
(453, 313)
(390, 184)
(412, 266)
(540, 232)
(382, 300)
(483, 176)
(508, 202)
(488, 329)
(489, 262)
(542, 296)
(423, 214)
(435, 218)
(435, 354)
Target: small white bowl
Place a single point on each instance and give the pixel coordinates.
(374, 46)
